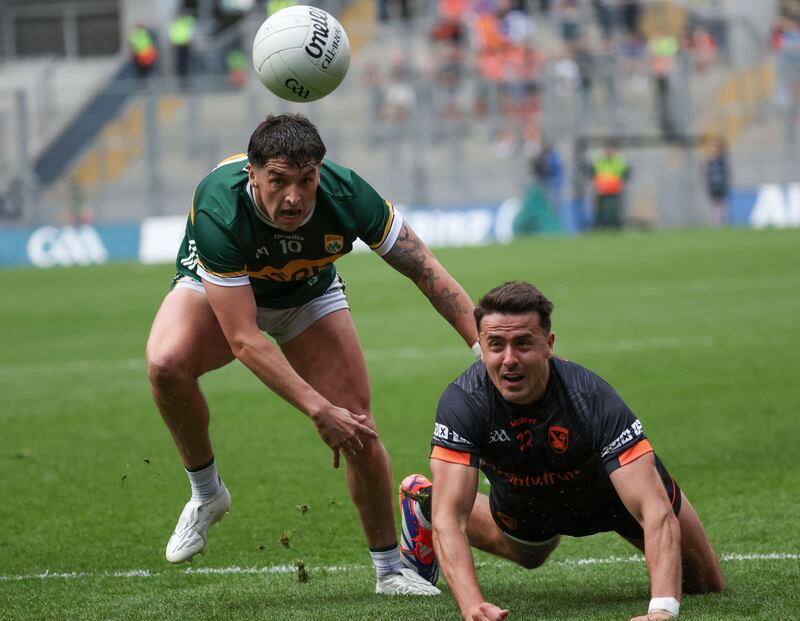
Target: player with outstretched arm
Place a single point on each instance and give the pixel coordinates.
(564, 456)
(264, 231)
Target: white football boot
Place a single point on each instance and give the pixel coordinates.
(196, 518)
(406, 582)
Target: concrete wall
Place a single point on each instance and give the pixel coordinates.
(154, 13)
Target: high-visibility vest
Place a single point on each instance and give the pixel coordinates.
(662, 54)
(143, 46)
(664, 46)
(609, 174)
(236, 60)
(181, 30)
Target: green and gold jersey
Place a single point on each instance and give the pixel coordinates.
(230, 242)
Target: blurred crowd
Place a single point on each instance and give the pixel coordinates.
(492, 59)
(493, 56)
(786, 46)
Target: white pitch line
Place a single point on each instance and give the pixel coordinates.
(288, 569)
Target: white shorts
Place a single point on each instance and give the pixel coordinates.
(284, 324)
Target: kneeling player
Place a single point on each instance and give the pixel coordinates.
(564, 456)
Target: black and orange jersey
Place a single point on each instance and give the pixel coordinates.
(553, 456)
(229, 241)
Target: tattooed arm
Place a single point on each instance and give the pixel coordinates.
(411, 257)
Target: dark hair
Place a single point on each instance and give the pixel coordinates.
(515, 298)
(288, 137)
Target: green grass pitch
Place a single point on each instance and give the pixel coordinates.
(698, 330)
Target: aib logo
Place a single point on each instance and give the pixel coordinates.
(297, 88)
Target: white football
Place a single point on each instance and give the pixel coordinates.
(301, 53)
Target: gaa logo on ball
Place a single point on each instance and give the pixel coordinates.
(301, 53)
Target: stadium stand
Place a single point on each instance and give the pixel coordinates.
(445, 108)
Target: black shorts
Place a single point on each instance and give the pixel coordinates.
(519, 518)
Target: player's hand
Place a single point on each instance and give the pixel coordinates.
(342, 430)
(653, 616)
(486, 612)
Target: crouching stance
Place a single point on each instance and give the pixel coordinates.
(564, 456)
(258, 256)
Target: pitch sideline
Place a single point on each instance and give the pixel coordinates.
(287, 569)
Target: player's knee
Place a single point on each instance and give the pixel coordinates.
(361, 408)
(703, 587)
(709, 580)
(163, 368)
(357, 404)
(716, 584)
(371, 454)
(371, 460)
(530, 557)
(530, 562)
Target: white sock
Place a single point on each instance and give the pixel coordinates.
(204, 482)
(386, 560)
